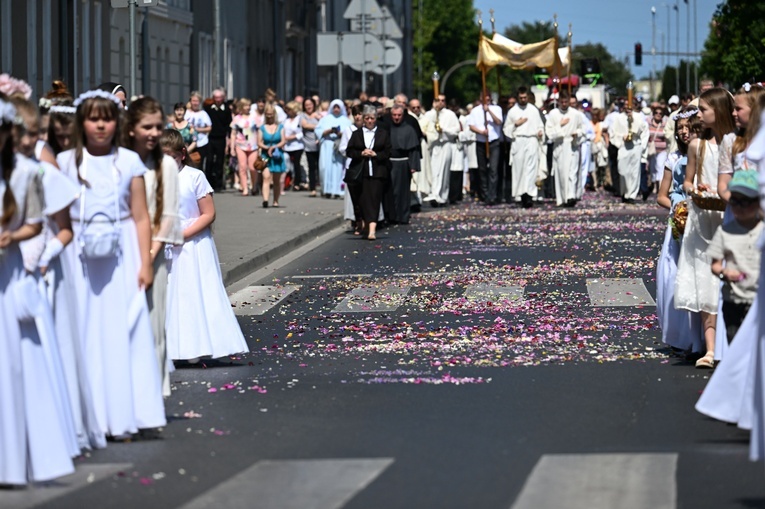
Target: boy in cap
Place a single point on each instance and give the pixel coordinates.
(736, 244)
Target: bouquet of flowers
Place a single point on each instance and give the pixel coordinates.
(678, 219)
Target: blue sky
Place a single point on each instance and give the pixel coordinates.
(607, 22)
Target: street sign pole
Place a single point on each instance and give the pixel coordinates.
(384, 63)
(133, 71)
(339, 64)
(364, 31)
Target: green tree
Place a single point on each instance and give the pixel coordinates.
(445, 33)
(736, 43)
(615, 73)
(669, 79)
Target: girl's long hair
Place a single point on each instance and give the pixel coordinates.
(63, 119)
(7, 161)
(743, 139)
(139, 109)
(721, 102)
(98, 107)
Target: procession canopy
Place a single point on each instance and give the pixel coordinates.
(501, 50)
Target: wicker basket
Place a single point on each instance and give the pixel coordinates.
(709, 202)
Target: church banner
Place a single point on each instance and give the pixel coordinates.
(502, 50)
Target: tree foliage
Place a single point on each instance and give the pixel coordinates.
(734, 49)
(669, 79)
(445, 33)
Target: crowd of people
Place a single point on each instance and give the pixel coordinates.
(106, 250)
(709, 268)
(108, 273)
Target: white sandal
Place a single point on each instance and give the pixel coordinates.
(706, 362)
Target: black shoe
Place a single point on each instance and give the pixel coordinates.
(646, 194)
(265, 204)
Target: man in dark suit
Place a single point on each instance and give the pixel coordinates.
(220, 115)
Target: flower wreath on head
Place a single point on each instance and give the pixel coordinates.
(8, 113)
(12, 86)
(90, 94)
(687, 114)
(69, 110)
(748, 86)
(44, 102)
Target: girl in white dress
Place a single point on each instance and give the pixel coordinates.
(113, 268)
(696, 289)
(676, 325)
(729, 394)
(143, 127)
(36, 442)
(200, 321)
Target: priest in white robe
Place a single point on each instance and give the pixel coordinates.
(524, 126)
(629, 134)
(443, 128)
(564, 128)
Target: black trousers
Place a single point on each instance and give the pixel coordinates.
(371, 197)
(355, 190)
(488, 169)
(455, 186)
(313, 169)
(613, 163)
(215, 158)
(734, 314)
(298, 175)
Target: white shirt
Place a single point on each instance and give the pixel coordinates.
(199, 119)
(480, 120)
(292, 128)
(369, 142)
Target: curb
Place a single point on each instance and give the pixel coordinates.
(246, 266)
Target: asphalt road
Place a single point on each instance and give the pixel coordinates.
(456, 362)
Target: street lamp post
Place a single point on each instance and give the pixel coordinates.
(688, 45)
(677, 46)
(653, 51)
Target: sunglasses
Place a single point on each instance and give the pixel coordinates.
(742, 202)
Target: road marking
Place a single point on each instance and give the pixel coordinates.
(368, 299)
(38, 494)
(257, 300)
(621, 292)
(491, 292)
(294, 484)
(601, 481)
(328, 276)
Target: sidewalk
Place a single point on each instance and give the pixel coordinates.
(248, 236)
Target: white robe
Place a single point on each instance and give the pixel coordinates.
(421, 180)
(566, 140)
(524, 152)
(440, 145)
(630, 152)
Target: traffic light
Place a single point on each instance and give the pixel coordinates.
(638, 54)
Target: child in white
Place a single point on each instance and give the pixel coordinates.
(200, 321)
(116, 338)
(736, 243)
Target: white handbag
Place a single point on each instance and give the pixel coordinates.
(100, 238)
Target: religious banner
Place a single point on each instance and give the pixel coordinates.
(501, 50)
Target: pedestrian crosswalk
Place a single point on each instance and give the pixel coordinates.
(294, 484)
(386, 296)
(574, 481)
(621, 292)
(601, 481)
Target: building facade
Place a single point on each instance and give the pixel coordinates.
(245, 46)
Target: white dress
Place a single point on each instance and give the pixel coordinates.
(170, 233)
(36, 438)
(200, 321)
(113, 318)
(679, 328)
(696, 288)
(58, 286)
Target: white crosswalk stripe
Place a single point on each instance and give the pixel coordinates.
(294, 484)
(488, 291)
(601, 481)
(366, 299)
(38, 494)
(621, 292)
(258, 300)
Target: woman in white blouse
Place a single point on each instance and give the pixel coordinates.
(293, 134)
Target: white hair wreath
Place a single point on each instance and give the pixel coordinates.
(90, 94)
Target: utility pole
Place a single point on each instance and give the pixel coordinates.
(688, 46)
(653, 51)
(364, 48)
(677, 47)
(133, 71)
(696, 43)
